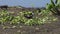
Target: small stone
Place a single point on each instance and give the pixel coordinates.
(20, 26)
(14, 27)
(37, 28)
(18, 31)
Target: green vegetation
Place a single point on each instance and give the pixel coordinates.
(31, 18)
(53, 7)
(44, 17)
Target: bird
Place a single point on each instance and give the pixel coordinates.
(29, 16)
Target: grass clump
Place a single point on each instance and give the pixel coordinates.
(27, 17)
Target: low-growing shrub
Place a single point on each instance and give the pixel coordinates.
(45, 17)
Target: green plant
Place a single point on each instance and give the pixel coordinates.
(6, 16)
(15, 20)
(3, 16)
(53, 7)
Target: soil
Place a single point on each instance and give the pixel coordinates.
(48, 28)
